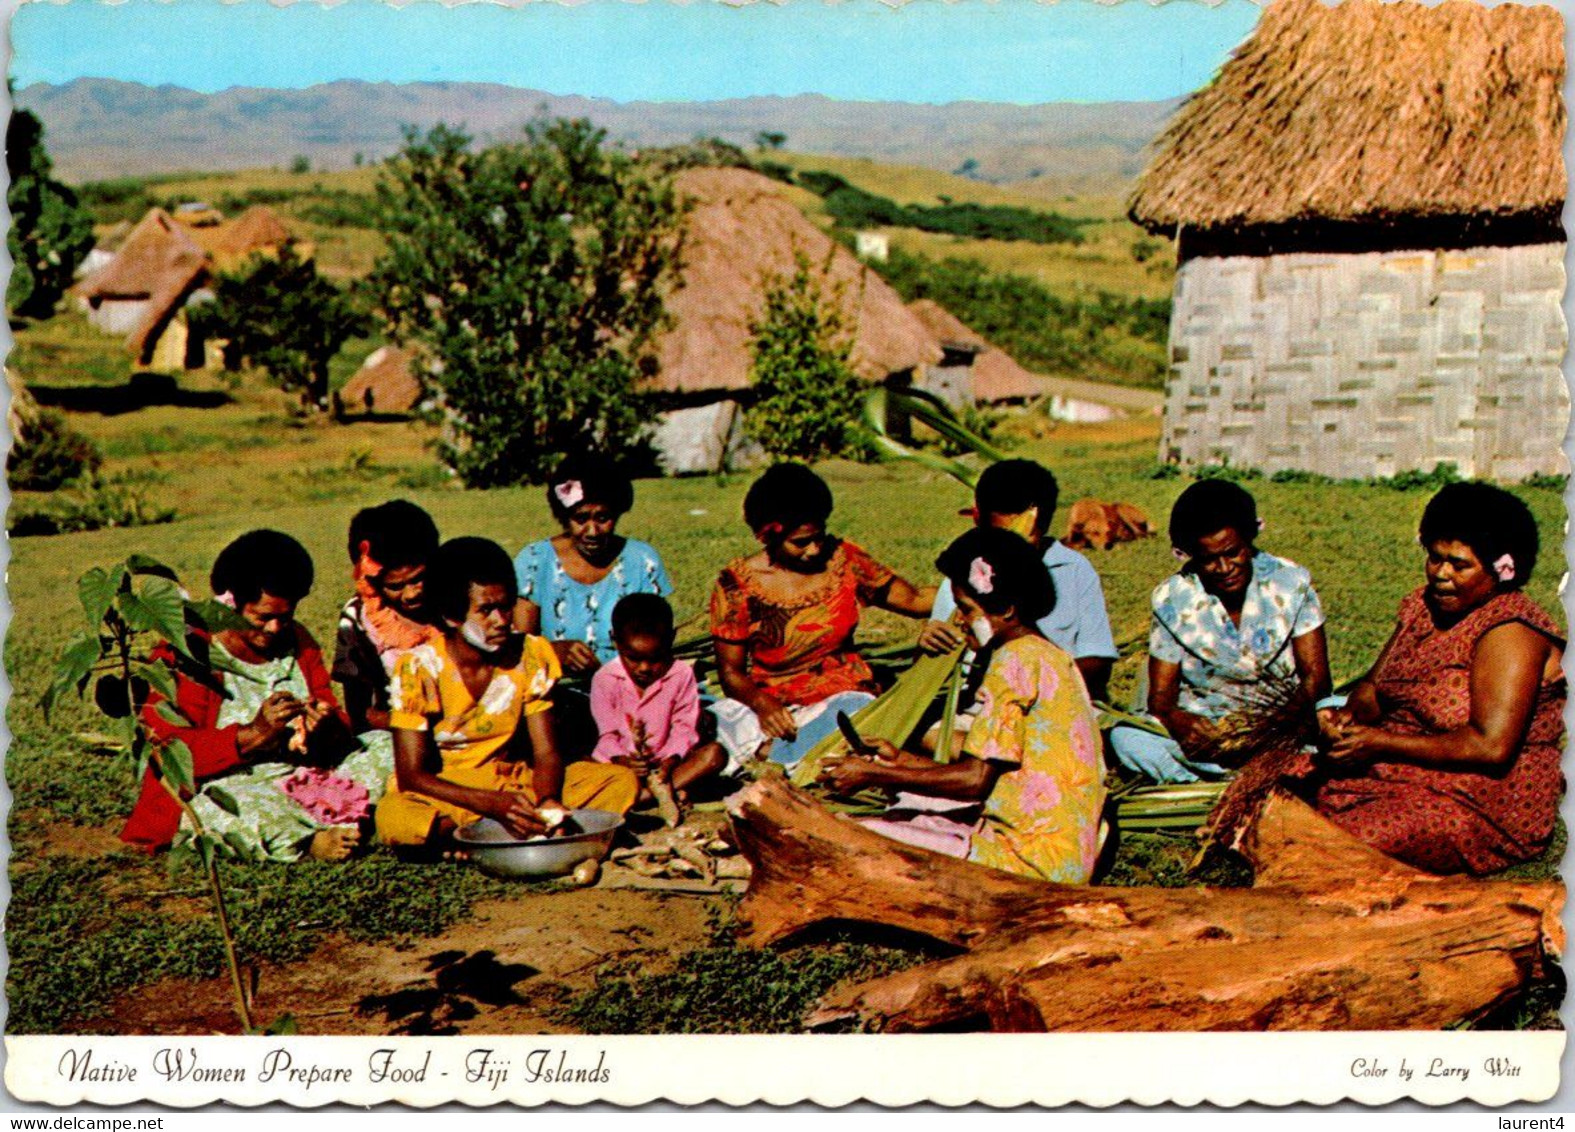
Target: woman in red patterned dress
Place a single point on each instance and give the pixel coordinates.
(1447, 754)
(783, 620)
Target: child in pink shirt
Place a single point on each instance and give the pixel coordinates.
(646, 704)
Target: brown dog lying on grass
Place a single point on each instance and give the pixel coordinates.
(1096, 525)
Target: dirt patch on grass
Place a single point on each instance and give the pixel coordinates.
(501, 971)
(47, 835)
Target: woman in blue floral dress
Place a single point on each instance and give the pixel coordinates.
(569, 583)
(1235, 630)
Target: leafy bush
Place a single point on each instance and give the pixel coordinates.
(231, 203)
(1105, 337)
(532, 276)
(853, 207)
(808, 397)
(1299, 475)
(1414, 480)
(89, 505)
(50, 232)
(1226, 472)
(1546, 482)
(279, 313)
(49, 454)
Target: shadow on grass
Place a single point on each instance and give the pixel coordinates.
(142, 391)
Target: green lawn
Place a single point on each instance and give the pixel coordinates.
(81, 925)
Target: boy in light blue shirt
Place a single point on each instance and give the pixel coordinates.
(1021, 496)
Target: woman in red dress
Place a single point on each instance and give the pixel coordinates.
(1446, 755)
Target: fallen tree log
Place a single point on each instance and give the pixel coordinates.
(1332, 935)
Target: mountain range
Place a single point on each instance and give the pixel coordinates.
(101, 128)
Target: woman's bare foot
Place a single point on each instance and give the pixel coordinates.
(335, 843)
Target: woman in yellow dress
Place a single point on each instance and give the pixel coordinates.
(472, 721)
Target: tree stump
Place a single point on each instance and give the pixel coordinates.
(1332, 935)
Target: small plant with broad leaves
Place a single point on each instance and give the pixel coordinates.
(137, 617)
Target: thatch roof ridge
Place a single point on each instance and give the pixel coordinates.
(996, 374)
(1369, 110)
(155, 250)
(258, 229)
(159, 263)
(741, 230)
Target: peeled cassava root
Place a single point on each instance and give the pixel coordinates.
(1333, 935)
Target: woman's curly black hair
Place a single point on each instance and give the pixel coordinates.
(588, 478)
(1001, 571)
(461, 563)
(787, 496)
(1488, 519)
(262, 562)
(1209, 506)
(397, 534)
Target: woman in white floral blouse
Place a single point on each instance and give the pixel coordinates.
(1235, 628)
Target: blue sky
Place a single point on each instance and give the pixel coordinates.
(927, 51)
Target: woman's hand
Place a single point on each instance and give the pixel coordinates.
(315, 713)
(1356, 743)
(515, 814)
(937, 638)
(267, 728)
(845, 774)
(576, 657)
(1333, 722)
(775, 720)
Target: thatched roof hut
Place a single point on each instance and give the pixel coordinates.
(162, 262)
(154, 270)
(258, 229)
(1367, 204)
(1367, 112)
(385, 383)
(996, 375)
(740, 232)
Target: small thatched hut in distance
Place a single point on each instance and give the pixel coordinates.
(1367, 204)
(139, 291)
(161, 268)
(740, 232)
(385, 383)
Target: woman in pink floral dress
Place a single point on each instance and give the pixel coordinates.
(1031, 764)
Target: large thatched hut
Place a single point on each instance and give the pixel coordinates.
(742, 231)
(1366, 202)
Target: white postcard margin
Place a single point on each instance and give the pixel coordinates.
(1435, 1068)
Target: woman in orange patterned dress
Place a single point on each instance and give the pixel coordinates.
(783, 620)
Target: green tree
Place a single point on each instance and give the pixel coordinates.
(277, 312)
(50, 232)
(532, 275)
(770, 139)
(807, 395)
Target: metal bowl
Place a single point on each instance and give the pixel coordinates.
(497, 851)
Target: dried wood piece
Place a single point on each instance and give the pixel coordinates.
(1333, 936)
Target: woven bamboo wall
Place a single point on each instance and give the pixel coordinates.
(1371, 364)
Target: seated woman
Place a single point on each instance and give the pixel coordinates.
(1446, 754)
(473, 729)
(268, 738)
(1236, 630)
(568, 584)
(1031, 763)
(783, 620)
(390, 545)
